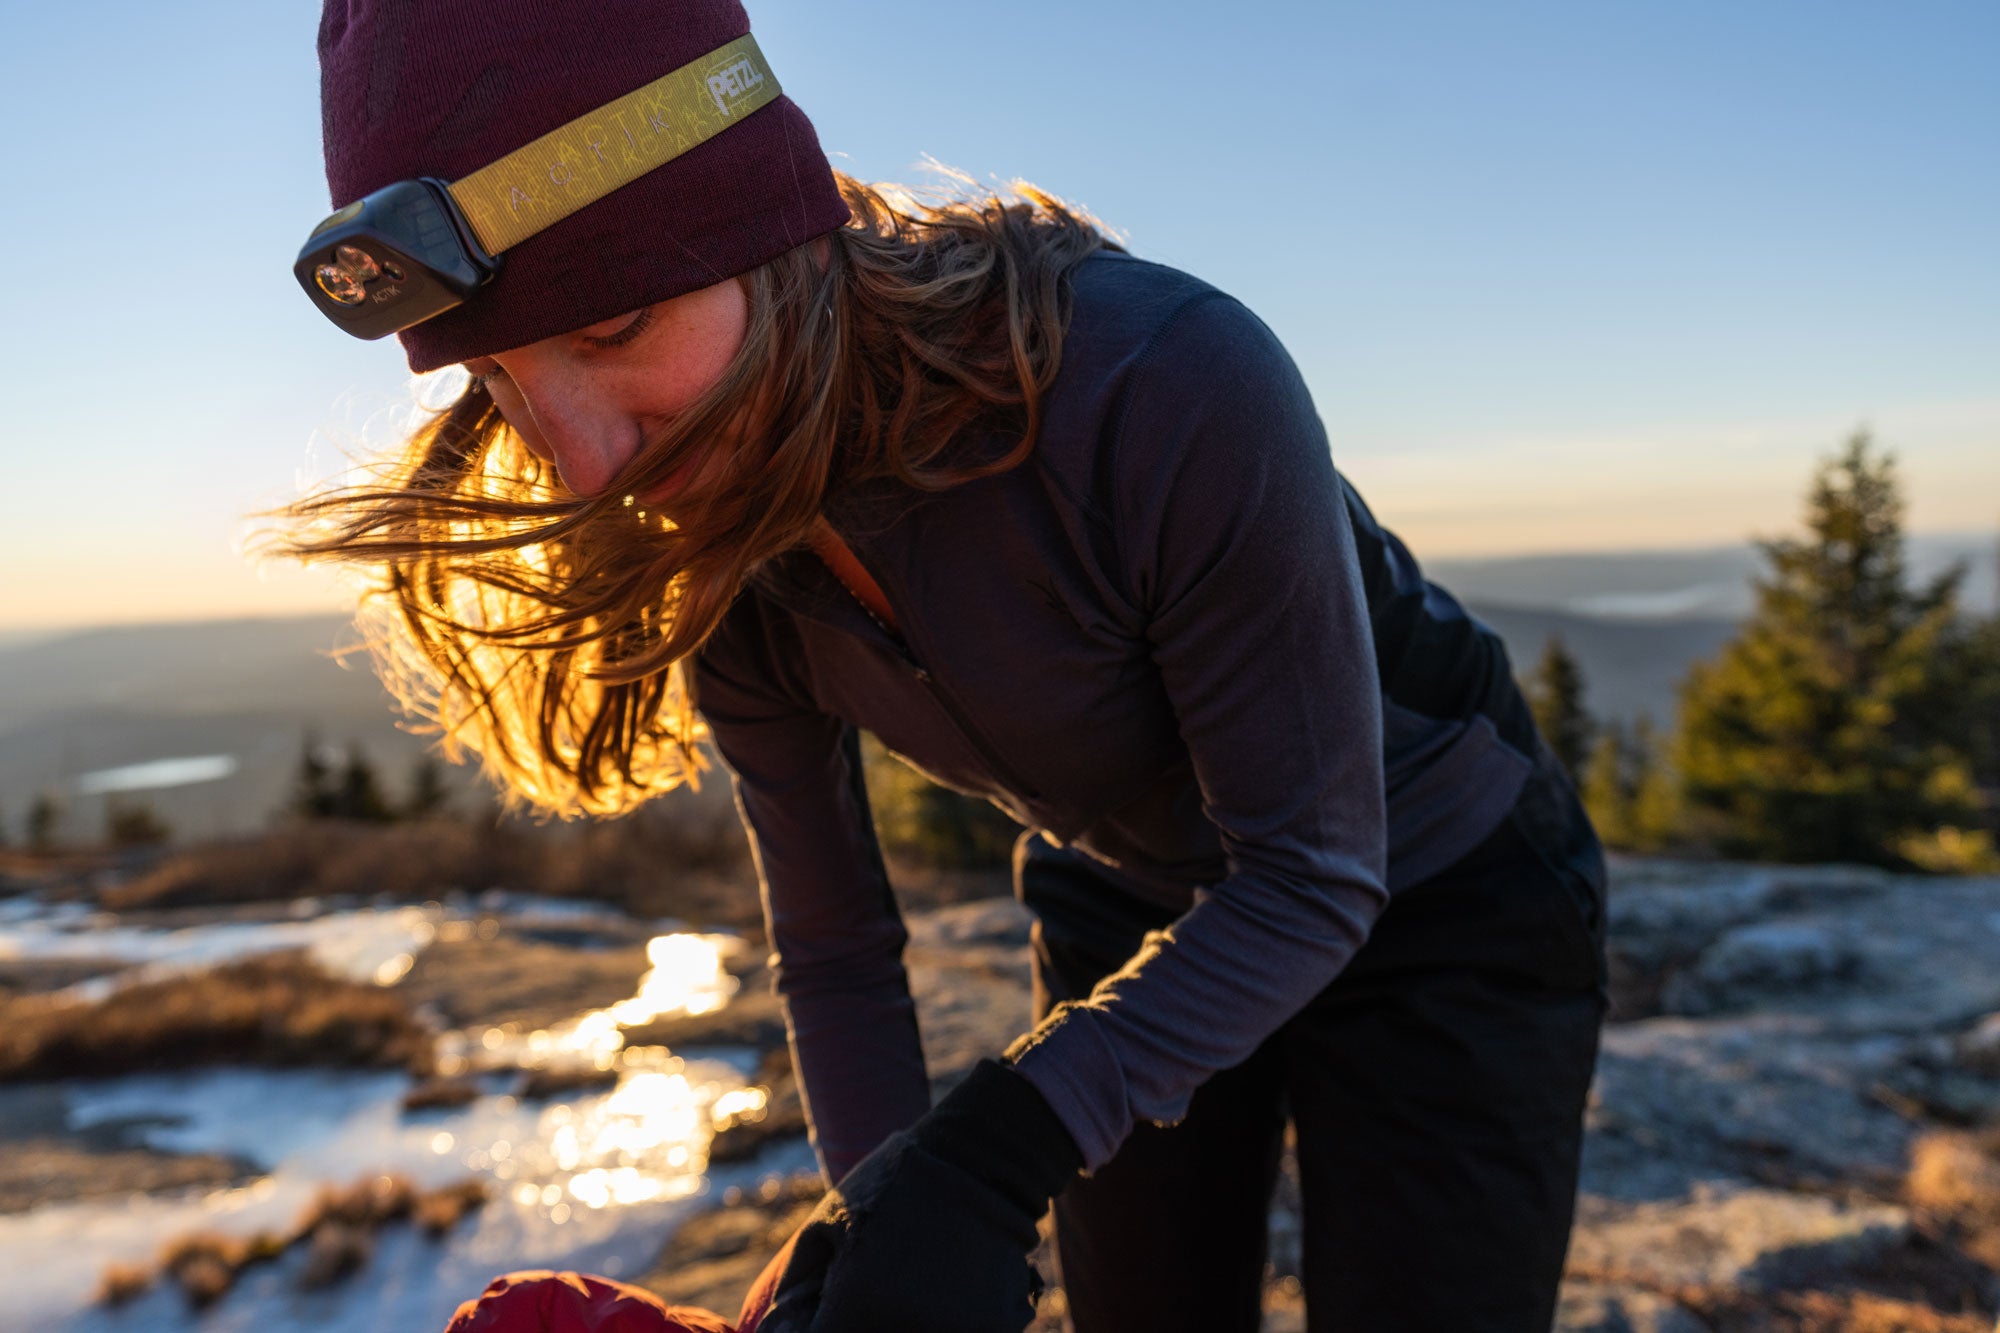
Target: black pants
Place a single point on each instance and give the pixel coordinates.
(1437, 1086)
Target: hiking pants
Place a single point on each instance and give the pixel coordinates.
(1437, 1086)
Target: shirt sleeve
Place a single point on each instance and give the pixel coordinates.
(1235, 542)
(836, 935)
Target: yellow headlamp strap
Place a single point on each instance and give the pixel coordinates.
(542, 183)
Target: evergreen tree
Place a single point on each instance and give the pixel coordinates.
(1979, 684)
(427, 791)
(1826, 729)
(44, 820)
(133, 824)
(358, 795)
(315, 794)
(1656, 790)
(1605, 790)
(1973, 668)
(1629, 789)
(1981, 674)
(1555, 694)
(933, 825)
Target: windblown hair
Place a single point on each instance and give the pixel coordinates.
(550, 634)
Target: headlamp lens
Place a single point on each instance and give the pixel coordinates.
(359, 264)
(340, 284)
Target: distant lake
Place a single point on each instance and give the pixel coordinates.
(157, 773)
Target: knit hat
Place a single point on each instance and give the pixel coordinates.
(413, 89)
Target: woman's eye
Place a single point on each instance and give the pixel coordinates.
(632, 330)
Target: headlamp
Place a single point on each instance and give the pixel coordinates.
(417, 248)
(393, 258)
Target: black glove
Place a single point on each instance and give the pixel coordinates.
(932, 1230)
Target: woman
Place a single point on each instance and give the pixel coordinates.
(1060, 526)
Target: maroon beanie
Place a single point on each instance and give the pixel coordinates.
(413, 89)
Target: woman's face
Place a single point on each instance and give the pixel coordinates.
(586, 400)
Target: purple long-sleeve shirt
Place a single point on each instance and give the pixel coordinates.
(1175, 638)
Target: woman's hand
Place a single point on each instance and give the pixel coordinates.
(933, 1229)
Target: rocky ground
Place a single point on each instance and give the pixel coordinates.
(1793, 1127)
(1786, 1130)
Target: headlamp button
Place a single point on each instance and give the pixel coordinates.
(358, 262)
(339, 284)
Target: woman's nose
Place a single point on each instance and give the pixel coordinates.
(560, 421)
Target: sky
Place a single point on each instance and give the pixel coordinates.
(1562, 276)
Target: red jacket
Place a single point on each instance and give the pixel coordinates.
(540, 1301)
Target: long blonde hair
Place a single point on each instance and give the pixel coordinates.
(548, 634)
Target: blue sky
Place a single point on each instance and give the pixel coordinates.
(1561, 275)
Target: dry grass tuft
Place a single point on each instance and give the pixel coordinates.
(274, 1010)
(366, 1204)
(439, 1210)
(615, 861)
(206, 1263)
(1954, 1182)
(1957, 1174)
(441, 1093)
(122, 1283)
(335, 1251)
(337, 1230)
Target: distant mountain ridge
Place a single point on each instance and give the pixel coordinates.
(98, 699)
(1706, 582)
(89, 700)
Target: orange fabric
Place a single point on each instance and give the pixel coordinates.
(840, 558)
(757, 1303)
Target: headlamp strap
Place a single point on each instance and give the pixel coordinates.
(541, 183)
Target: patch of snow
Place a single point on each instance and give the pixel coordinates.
(593, 1183)
(373, 944)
